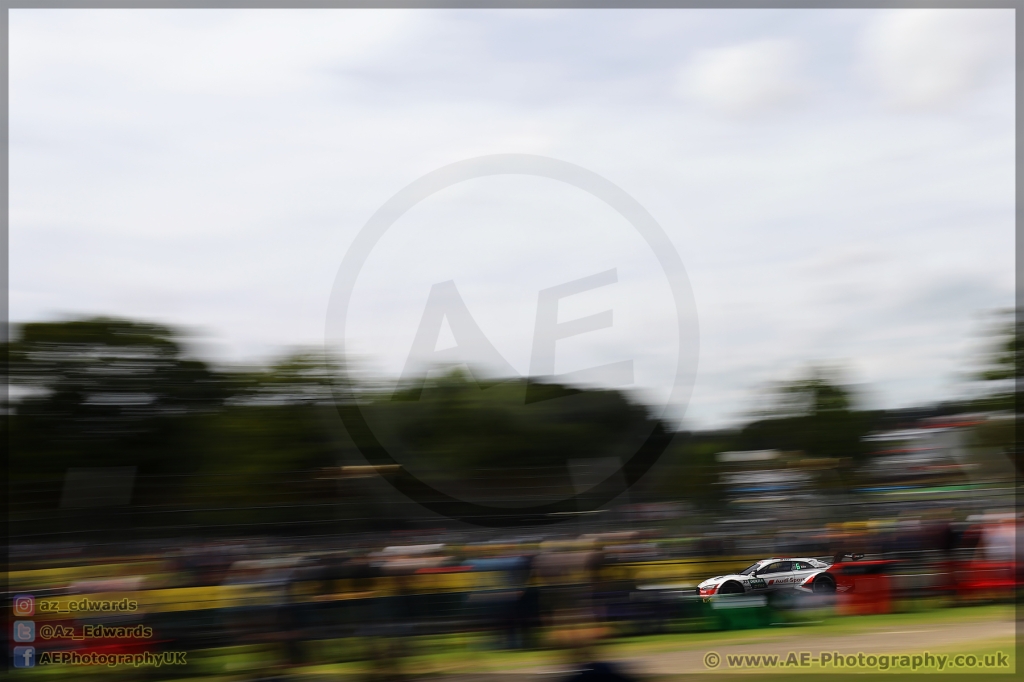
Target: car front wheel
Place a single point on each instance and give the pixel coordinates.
(731, 587)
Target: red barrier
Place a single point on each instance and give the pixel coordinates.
(979, 580)
(867, 594)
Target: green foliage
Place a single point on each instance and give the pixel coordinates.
(691, 472)
(457, 432)
(232, 448)
(1001, 377)
(1001, 372)
(246, 447)
(209, 447)
(814, 415)
(103, 392)
(259, 467)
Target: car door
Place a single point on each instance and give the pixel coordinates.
(801, 570)
(776, 573)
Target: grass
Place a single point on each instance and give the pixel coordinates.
(474, 659)
(824, 625)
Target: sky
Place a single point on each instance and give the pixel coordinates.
(838, 184)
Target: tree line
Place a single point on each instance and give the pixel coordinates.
(241, 449)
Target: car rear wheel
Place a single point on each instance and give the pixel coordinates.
(824, 584)
(731, 587)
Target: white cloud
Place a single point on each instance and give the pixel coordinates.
(223, 53)
(220, 190)
(743, 78)
(932, 57)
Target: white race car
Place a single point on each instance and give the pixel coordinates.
(770, 575)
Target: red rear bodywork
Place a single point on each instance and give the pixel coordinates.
(863, 587)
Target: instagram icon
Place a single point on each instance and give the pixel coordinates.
(24, 605)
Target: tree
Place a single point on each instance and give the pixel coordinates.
(690, 470)
(1001, 377)
(263, 449)
(1001, 372)
(491, 442)
(815, 415)
(104, 392)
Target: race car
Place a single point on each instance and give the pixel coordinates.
(772, 575)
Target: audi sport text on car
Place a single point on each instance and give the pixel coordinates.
(769, 575)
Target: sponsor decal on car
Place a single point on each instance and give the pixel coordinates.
(757, 582)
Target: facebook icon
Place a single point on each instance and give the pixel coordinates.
(24, 657)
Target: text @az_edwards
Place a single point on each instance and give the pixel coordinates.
(95, 632)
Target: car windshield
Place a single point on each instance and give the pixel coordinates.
(749, 570)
